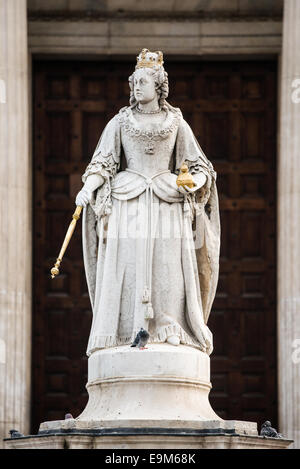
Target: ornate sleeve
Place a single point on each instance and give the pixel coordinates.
(206, 211)
(189, 151)
(106, 158)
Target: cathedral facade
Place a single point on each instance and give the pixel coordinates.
(234, 66)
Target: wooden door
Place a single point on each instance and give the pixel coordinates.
(231, 108)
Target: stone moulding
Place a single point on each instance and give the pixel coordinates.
(89, 16)
(143, 438)
(178, 381)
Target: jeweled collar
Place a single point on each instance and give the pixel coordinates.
(130, 124)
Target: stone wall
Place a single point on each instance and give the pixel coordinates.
(204, 7)
(192, 27)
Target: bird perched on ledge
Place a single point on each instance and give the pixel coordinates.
(15, 434)
(267, 430)
(141, 339)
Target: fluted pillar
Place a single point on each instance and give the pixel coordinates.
(289, 227)
(15, 214)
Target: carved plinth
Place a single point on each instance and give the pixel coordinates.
(153, 398)
(162, 385)
(135, 440)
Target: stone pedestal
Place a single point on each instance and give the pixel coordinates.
(162, 385)
(117, 440)
(153, 398)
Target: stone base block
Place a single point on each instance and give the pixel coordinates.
(143, 440)
(161, 384)
(153, 398)
(163, 427)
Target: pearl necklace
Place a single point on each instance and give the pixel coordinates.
(147, 112)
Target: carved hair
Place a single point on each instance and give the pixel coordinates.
(161, 84)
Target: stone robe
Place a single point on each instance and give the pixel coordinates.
(151, 254)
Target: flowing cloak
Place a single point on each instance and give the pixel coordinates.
(201, 210)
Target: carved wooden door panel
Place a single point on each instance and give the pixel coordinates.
(232, 109)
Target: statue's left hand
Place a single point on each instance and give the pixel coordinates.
(200, 179)
(186, 189)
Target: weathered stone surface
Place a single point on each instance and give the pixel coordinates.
(192, 37)
(183, 34)
(289, 227)
(139, 441)
(153, 398)
(15, 216)
(215, 426)
(161, 386)
(238, 7)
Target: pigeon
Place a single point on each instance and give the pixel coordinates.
(267, 430)
(69, 416)
(141, 339)
(15, 434)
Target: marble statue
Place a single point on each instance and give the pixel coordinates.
(151, 239)
(151, 248)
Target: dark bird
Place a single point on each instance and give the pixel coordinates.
(69, 416)
(15, 434)
(141, 339)
(267, 430)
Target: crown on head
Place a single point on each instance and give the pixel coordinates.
(149, 59)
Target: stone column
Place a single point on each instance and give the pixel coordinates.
(289, 227)
(15, 220)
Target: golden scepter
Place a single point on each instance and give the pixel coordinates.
(75, 217)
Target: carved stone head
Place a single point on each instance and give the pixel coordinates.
(149, 78)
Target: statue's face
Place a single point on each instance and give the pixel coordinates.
(144, 86)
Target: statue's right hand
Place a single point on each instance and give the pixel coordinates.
(83, 197)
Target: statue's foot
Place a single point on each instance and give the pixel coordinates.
(173, 340)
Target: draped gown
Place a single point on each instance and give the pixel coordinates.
(151, 254)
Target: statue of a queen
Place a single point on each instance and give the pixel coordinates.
(151, 247)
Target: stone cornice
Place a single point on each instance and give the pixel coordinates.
(95, 16)
(123, 34)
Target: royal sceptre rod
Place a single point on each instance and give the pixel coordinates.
(75, 217)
